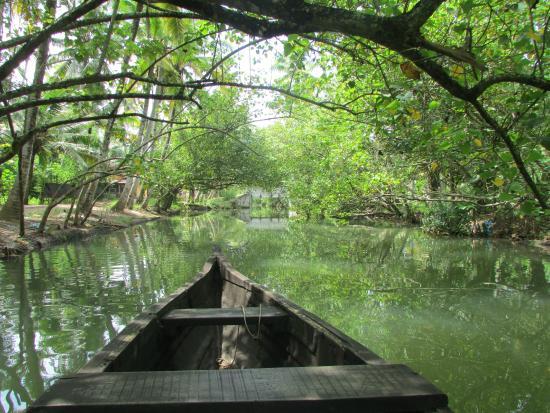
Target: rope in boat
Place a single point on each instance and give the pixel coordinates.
(221, 362)
(259, 331)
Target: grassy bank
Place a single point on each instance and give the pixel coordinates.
(101, 220)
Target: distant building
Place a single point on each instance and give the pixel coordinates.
(245, 200)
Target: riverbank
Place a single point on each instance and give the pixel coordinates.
(101, 221)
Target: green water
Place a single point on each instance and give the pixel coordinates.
(470, 315)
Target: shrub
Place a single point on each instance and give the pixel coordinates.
(447, 218)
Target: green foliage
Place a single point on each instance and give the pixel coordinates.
(7, 180)
(218, 151)
(447, 218)
(400, 139)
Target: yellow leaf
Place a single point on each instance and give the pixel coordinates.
(457, 70)
(478, 143)
(434, 165)
(414, 114)
(499, 181)
(410, 70)
(534, 36)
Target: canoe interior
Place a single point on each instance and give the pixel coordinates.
(157, 341)
(168, 360)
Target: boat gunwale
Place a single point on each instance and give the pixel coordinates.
(320, 326)
(104, 358)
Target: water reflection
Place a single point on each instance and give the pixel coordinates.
(471, 315)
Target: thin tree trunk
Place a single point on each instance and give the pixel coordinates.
(12, 210)
(68, 217)
(93, 204)
(108, 37)
(36, 149)
(88, 201)
(85, 202)
(516, 155)
(146, 198)
(130, 182)
(21, 194)
(80, 203)
(149, 132)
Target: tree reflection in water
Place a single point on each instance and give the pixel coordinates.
(471, 315)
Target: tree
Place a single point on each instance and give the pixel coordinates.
(14, 207)
(379, 62)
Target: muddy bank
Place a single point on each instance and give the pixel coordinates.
(101, 221)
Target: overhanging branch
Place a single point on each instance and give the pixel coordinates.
(31, 45)
(16, 145)
(90, 98)
(536, 82)
(19, 40)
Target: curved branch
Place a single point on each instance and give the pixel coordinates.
(325, 105)
(85, 80)
(516, 155)
(228, 56)
(437, 73)
(251, 25)
(89, 98)
(16, 145)
(536, 82)
(456, 53)
(422, 11)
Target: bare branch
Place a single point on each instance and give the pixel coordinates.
(422, 11)
(85, 80)
(23, 139)
(90, 98)
(536, 82)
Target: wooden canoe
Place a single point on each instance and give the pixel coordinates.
(223, 343)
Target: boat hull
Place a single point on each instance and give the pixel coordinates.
(225, 343)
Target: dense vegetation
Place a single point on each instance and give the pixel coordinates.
(430, 108)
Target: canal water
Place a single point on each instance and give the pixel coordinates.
(470, 315)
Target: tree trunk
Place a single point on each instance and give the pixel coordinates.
(127, 196)
(142, 195)
(88, 201)
(82, 200)
(68, 217)
(168, 199)
(133, 193)
(122, 202)
(434, 179)
(150, 132)
(12, 210)
(35, 151)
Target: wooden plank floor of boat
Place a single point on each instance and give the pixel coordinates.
(347, 388)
